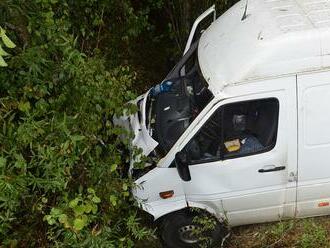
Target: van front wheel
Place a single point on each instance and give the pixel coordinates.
(183, 230)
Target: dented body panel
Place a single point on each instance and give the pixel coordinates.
(137, 123)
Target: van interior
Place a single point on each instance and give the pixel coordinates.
(236, 130)
(174, 110)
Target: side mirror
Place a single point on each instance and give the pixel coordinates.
(181, 160)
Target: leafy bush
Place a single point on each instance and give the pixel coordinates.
(314, 235)
(61, 161)
(7, 43)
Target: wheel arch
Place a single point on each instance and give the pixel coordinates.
(201, 207)
(160, 211)
(169, 222)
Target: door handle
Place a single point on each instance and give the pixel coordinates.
(265, 170)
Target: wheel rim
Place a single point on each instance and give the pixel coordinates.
(187, 235)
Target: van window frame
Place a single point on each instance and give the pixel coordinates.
(224, 157)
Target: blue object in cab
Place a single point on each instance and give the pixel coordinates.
(160, 88)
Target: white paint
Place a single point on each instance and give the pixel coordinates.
(142, 137)
(208, 12)
(281, 51)
(314, 143)
(277, 38)
(156, 181)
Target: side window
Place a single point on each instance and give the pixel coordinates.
(236, 130)
(250, 127)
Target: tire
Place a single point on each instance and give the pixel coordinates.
(176, 231)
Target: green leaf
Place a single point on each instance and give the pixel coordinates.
(96, 199)
(79, 210)
(79, 224)
(55, 212)
(77, 138)
(113, 167)
(73, 203)
(2, 62)
(125, 187)
(20, 162)
(84, 218)
(3, 162)
(63, 218)
(113, 200)
(3, 52)
(24, 106)
(94, 209)
(88, 208)
(91, 191)
(50, 220)
(8, 43)
(47, 217)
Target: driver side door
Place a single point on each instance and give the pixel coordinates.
(254, 181)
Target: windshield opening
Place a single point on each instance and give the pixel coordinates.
(176, 102)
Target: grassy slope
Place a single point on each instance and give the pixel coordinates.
(302, 233)
(305, 233)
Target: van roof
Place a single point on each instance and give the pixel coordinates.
(277, 37)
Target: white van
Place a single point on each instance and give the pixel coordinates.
(241, 127)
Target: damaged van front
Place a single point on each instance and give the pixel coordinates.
(167, 109)
(165, 118)
(237, 128)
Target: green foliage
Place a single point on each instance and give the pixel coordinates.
(314, 235)
(303, 233)
(61, 166)
(183, 13)
(279, 230)
(6, 42)
(77, 213)
(205, 224)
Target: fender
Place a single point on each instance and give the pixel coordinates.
(159, 180)
(148, 189)
(220, 215)
(159, 211)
